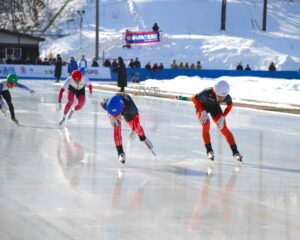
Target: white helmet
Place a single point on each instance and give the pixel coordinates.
(221, 88)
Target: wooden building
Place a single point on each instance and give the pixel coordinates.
(17, 45)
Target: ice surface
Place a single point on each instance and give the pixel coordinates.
(66, 183)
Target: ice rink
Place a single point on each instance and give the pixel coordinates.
(60, 183)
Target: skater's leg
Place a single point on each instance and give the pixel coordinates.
(230, 139)
(6, 95)
(118, 134)
(205, 130)
(206, 137)
(136, 127)
(69, 103)
(81, 101)
(226, 132)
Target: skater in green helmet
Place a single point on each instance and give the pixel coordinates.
(11, 81)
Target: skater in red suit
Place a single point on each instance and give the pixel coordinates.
(122, 105)
(208, 102)
(76, 86)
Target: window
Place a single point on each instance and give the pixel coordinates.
(13, 52)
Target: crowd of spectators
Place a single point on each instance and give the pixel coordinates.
(181, 65)
(112, 63)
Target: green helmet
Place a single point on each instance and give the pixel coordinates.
(12, 78)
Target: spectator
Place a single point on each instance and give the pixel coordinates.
(131, 63)
(155, 27)
(114, 65)
(58, 68)
(181, 66)
(28, 60)
(155, 67)
(174, 64)
(247, 68)
(46, 61)
(127, 45)
(122, 74)
(239, 66)
(161, 66)
(9, 60)
(192, 66)
(72, 65)
(82, 64)
(17, 61)
(38, 61)
(107, 63)
(186, 66)
(272, 67)
(148, 66)
(95, 63)
(137, 63)
(198, 65)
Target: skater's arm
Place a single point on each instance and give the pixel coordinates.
(197, 104)
(103, 103)
(19, 85)
(228, 102)
(61, 92)
(227, 110)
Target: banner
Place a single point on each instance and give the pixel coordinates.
(141, 37)
(47, 72)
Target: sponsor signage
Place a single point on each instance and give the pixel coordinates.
(47, 72)
(141, 37)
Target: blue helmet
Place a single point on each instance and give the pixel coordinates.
(114, 105)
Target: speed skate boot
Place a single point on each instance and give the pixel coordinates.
(70, 114)
(15, 121)
(236, 153)
(209, 152)
(62, 120)
(122, 158)
(211, 155)
(238, 157)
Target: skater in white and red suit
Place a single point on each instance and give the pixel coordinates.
(75, 84)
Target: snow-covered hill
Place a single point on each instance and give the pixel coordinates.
(190, 32)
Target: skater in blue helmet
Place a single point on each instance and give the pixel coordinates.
(122, 105)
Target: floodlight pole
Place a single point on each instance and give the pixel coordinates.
(97, 31)
(223, 15)
(264, 24)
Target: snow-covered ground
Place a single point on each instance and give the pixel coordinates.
(190, 32)
(277, 92)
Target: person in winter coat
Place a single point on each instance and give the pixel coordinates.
(272, 67)
(82, 64)
(58, 68)
(95, 63)
(122, 74)
(11, 81)
(72, 65)
(155, 27)
(122, 105)
(76, 87)
(208, 102)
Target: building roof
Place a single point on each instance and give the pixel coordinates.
(40, 39)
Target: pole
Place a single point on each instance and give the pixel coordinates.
(97, 31)
(223, 15)
(264, 24)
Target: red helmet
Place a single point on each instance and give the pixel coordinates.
(76, 75)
